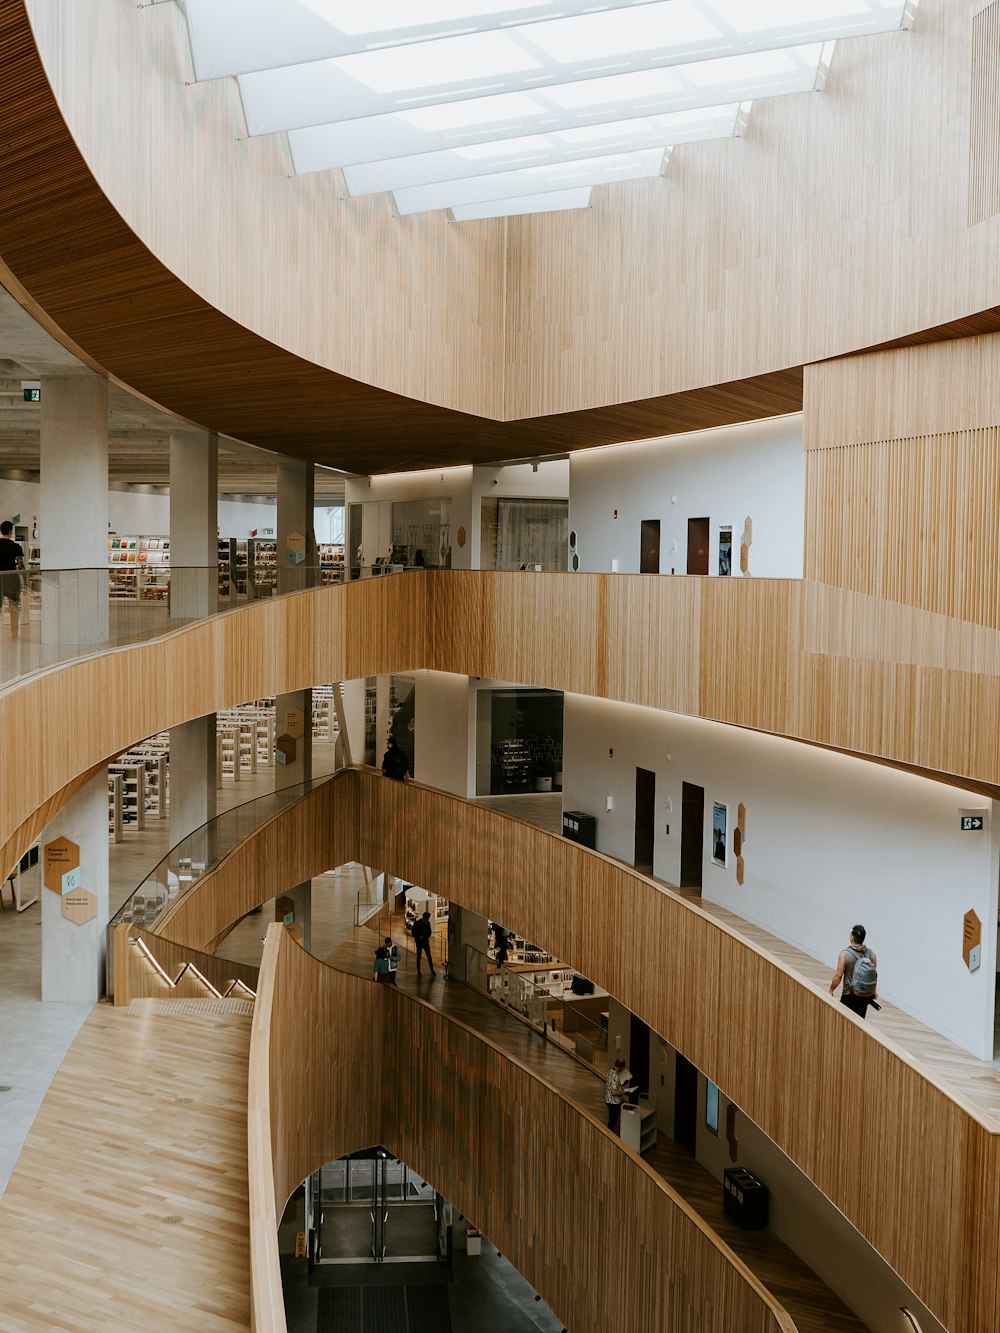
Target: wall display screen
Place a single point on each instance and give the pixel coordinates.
(725, 551)
(712, 1106)
(718, 834)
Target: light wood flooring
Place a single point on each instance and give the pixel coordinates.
(811, 1304)
(128, 1206)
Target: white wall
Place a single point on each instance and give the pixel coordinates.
(444, 735)
(831, 840)
(811, 1226)
(755, 469)
(549, 482)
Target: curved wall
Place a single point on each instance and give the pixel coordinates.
(661, 287)
(786, 1054)
(453, 1106)
(797, 659)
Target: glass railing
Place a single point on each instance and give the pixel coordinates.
(201, 851)
(542, 995)
(51, 616)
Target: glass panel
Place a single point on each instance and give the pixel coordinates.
(539, 203)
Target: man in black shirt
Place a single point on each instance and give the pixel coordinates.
(11, 562)
(421, 931)
(394, 762)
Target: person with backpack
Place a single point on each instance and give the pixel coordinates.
(857, 969)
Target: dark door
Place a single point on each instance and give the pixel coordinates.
(645, 813)
(697, 546)
(685, 1104)
(638, 1053)
(649, 546)
(692, 835)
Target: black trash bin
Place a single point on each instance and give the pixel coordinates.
(744, 1199)
(580, 828)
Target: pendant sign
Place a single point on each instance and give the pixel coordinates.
(972, 823)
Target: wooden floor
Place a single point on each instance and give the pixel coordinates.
(128, 1207)
(811, 1304)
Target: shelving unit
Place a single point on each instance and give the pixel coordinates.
(123, 564)
(262, 564)
(331, 560)
(425, 902)
(639, 1125)
(115, 830)
(324, 714)
(133, 802)
(154, 569)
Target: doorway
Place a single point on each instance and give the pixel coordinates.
(697, 546)
(645, 813)
(692, 835)
(649, 546)
(685, 1104)
(638, 1054)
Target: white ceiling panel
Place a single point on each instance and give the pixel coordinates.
(557, 202)
(639, 38)
(623, 136)
(513, 115)
(531, 180)
(242, 36)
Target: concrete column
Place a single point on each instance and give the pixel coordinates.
(296, 500)
(192, 779)
(73, 956)
(73, 509)
(467, 928)
(194, 524)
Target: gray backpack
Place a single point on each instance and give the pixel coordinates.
(864, 978)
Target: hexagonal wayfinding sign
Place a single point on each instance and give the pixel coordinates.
(80, 906)
(295, 722)
(285, 749)
(62, 862)
(295, 546)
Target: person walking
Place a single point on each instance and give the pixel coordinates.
(616, 1089)
(421, 933)
(11, 564)
(857, 971)
(394, 762)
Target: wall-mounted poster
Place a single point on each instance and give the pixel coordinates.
(725, 551)
(718, 834)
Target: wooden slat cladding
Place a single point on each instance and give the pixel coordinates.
(912, 521)
(137, 978)
(903, 477)
(454, 1107)
(984, 135)
(802, 660)
(703, 988)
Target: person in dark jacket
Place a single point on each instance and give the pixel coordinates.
(421, 933)
(394, 762)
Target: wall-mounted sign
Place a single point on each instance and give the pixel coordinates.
(80, 906)
(285, 750)
(972, 823)
(972, 940)
(295, 547)
(461, 536)
(62, 855)
(295, 722)
(70, 881)
(32, 391)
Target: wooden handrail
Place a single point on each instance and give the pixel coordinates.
(453, 1106)
(782, 1050)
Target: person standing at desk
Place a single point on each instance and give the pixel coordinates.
(617, 1087)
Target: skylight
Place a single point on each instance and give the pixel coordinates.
(449, 103)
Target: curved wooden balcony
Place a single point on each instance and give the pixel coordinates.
(798, 659)
(701, 986)
(318, 1089)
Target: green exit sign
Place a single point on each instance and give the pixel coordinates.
(32, 395)
(972, 823)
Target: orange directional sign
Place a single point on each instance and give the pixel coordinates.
(80, 906)
(62, 858)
